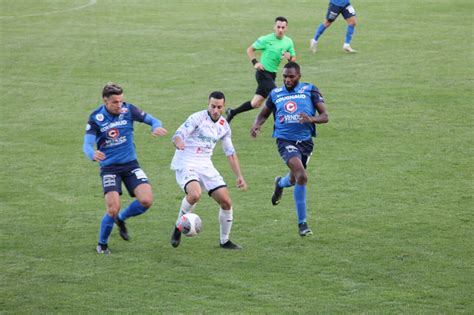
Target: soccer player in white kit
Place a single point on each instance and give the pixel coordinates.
(195, 140)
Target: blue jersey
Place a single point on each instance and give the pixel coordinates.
(287, 105)
(114, 133)
(340, 3)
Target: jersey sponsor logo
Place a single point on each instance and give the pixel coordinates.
(112, 125)
(88, 127)
(290, 107)
(113, 133)
(99, 117)
(204, 138)
(289, 97)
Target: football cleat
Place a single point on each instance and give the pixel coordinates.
(122, 229)
(230, 245)
(313, 45)
(229, 115)
(348, 48)
(304, 229)
(103, 249)
(175, 237)
(278, 192)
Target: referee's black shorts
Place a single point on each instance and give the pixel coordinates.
(266, 82)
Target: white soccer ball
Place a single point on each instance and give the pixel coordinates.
(190, 224)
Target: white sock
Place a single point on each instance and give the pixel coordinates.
(186, 207)
(225, 220)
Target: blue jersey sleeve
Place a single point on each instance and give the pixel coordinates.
(316, 96)
(88, 145)
(270, 103)
(137, 113)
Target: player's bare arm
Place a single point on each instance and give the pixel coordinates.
(178, 142)
(259, 121)
(321, 118)
(160, 131)
(235, 166)
(99, 156)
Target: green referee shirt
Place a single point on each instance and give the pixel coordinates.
(272, 49)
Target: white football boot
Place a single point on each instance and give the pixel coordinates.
(313, 45)
(348, 48)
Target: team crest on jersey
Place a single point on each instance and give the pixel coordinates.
(99, 117)
(113, 133)
(290, 107)
(221, 121)
(124, 110)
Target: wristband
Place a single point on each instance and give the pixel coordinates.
(254, 61)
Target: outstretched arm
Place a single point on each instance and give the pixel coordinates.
(156, 125)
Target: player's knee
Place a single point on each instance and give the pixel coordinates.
(327, 23)
(226, 204)
(146, 202)
(256, 104)
(301, 178)
(193, 197)
(113, 210)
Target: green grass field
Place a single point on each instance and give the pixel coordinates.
(391, 181)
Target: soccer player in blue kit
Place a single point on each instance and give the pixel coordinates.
(111, 127)
(335, 8)
(294, 106)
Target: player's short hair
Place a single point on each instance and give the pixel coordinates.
(281, 19)
(218, 95)
(293, 65)
(111, 89)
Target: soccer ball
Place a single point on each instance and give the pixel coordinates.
(190, 224)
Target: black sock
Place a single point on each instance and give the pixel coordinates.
(242, 108)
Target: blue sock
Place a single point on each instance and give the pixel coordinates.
(349, 33)
(300, 201)
(285, 181)
(134, 209)
(106, 227)
(319, 31)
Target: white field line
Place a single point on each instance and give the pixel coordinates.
(91, 2)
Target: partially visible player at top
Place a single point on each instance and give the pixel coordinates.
(335, 8)
(110, 128)
(274, 48)
(297, 108)
(195, 141)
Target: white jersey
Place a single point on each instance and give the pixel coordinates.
(200, 135)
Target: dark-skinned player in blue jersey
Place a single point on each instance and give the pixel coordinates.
(297, 108)
(110, 128)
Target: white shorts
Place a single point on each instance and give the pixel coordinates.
(208, 177)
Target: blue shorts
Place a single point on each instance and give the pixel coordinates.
(334, 11)
(300, 149)
(130, 173)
